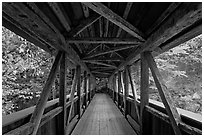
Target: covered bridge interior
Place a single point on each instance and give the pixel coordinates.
(100, 41)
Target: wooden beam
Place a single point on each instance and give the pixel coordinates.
(164, 93)
(71, 99)
(37, 23)
(100, 72)
(126, 89)
(78, 71)
(85, 88)
(100, 28)
(134, 93)
(118, 60)
(18, 29)
(83, 25)
(98, 40)
(125, 14)
(55, 7)
(114, 18)
(185, 17)
(94, 49)
(144, 90)
(113, 49)
(164, 15)
(39, 109)
(101, 63)
(62, 95)
(119, 87)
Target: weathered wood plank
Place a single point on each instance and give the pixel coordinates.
(38, 112)
(59, 13)
(50, 115)
(72, 124)
(162, 17)
(62, 94)
(78, 71)
(85, 89)
(119, 88)
(30, 21)
(144, 87)
(98, 40)
(126, 89)
(164, 93)
(41, 26)
(110, 50)
(125, 15)
(134, 93)
(71, 99)
(186, 16)
(19, 30)
(114, 18)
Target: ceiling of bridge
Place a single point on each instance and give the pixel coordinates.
(100, 36)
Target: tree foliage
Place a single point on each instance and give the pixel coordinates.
(181, 69)
(25, 69)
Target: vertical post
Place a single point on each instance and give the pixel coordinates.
(85, 88)
(39, 109)
(78, 71)
(126, 87)
(119, 87)
(164, 93)
(62, 95)
(144, 87)
(89, 87)
(133, 92)
(113, 88)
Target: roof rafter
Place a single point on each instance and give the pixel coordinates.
(113, 49)
(186, 17)
(103, 40)
(100, 63)
(164, 15)
(116, 19)
(55, 7)
(83, 25)
(35, 24)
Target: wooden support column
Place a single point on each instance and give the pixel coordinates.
(144, 87)
(85, 88)
(134, 93)
(62, 95)
(126, 88)
(71, 99)
(119, 87)
(164, 93)
(78, 71)
(39, 109)
(89, 87)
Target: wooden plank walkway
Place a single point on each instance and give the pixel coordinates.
(102, 117)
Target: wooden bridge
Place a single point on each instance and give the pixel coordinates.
(101, 41)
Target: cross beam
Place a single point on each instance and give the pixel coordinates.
(113, 49)
(99, 40)
(116, 19)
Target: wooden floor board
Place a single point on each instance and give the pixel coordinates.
(102, 117)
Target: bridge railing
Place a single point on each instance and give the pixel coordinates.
(17, 123)
(155, 119)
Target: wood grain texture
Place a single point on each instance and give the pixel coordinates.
(144, 88)
(102, 117)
